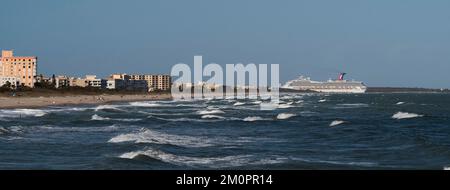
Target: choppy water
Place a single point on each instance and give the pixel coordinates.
(309, 131)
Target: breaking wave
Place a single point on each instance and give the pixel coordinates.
(336, 123)
(211, 162)
(22, 113)
(145, 104)
(238, 104)
(405, 115)
(148, 136)
(254, 118)
(96, 117)
(212, 117)
(108, 107)
(208, 112)
(284, 106)
(282, 116)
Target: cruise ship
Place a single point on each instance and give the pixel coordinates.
(339, 85)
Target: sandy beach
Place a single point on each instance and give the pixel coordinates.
(36, 102)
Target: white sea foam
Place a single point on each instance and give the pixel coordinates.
(254, 118)
(212, 162)
(107, 107)
(405, 115)
(257, 102)
(145, 104)
(208, 112)
(96, 117)
(285, 116)
(284, 106)
(238, 104)
(400, 103)
(268, 106)
(148, 136)
(22, 113)
(212, 117)
(322, 100)
(336, 123)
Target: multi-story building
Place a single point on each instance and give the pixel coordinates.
(124, 82)
(62, 81)
(93, 81)
(12, 81)
(78, 82)
(23, 67)
(155, 82)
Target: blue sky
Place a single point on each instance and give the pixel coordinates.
(381, 42)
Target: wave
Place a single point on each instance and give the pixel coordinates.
(96, 117)
(238, 104)
(273, 106)
(405, 115)
(11, 130)
(257, 102)
(284, 106)
(79, 129)
(355, 105)
(208, 112)
(108, 107)
(336, 123)
(322, 100)
(285, 116)
(22, 113)
(148, 136)
(268, 106)
(145, 104)
(400, 103)
(364, 164)
(211, 162)
(254, 118)
(212, 117)
(181, 119)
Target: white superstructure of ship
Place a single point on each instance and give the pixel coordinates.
(339, 85)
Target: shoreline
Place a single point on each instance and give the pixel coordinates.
(39, 102)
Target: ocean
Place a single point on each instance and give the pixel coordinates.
(305, 131)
